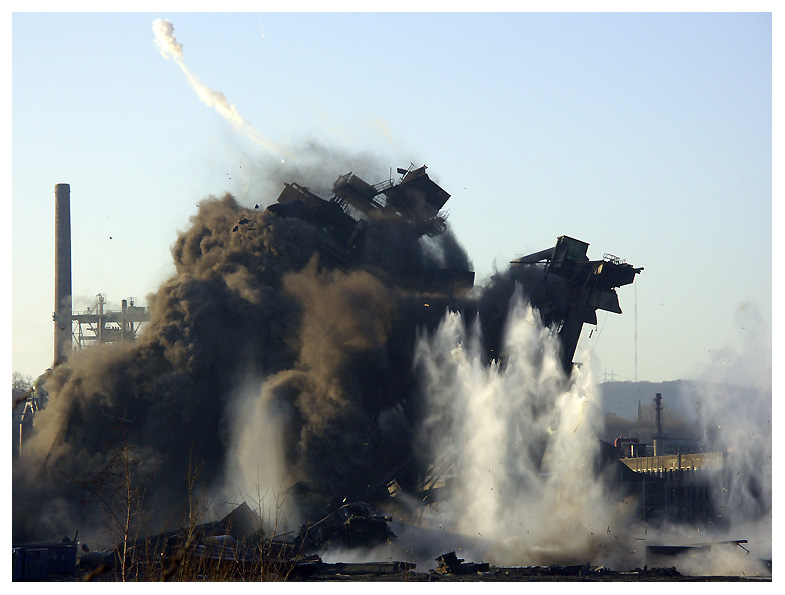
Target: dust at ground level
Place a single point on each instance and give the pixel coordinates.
(522, 577)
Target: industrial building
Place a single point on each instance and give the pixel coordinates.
(670, 478)
(73, 330)
(95, 325)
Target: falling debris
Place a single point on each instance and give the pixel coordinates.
(591, 285)
(451, 564)
(353, 525)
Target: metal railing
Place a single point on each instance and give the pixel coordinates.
(614, 259)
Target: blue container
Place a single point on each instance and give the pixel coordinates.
(17, 563)
(62, 558)
(35, 564)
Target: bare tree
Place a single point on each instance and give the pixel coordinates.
(20, 385)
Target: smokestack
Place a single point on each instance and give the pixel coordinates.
(123, 323)
(658, 435)
(62, 313)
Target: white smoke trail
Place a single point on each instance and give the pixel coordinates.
(170, 48)
(520, 445)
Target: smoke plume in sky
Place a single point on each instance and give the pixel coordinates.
(171, 49)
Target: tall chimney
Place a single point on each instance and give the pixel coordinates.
(63, 305)
(658, 451)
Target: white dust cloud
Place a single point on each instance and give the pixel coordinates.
(492, 429)
(256, 468)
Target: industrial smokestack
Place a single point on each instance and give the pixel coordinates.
(658, 436)
(62, 313)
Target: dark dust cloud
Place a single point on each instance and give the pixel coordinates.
(247, 301)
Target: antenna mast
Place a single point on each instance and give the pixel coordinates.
(635, 287)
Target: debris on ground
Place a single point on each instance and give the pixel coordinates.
(451, 564)
(352, 525)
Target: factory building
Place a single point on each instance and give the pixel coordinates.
(670, 478)
(96, 325)
(73, 330)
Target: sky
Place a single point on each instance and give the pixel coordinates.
(647, 135)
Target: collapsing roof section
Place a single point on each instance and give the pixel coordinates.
(415, 202)
(572, 288)
(417, 199)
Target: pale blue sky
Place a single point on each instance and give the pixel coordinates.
(647, 135)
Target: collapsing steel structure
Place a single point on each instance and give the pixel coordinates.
(583, 286)
(566, 294)
(591, 286)
(414, 202)
(417, 199)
